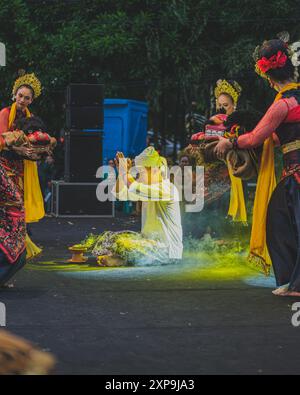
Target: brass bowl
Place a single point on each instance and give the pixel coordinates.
(77, 254)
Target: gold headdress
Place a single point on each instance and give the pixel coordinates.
(28, 79)
(232, 89)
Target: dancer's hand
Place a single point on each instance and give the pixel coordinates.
(191, 149)
(129, 164)
(121, 163)
(117, 159)
(24, 151)
(223, 146)
(121, 156)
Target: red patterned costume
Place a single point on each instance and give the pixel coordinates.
(12, 216)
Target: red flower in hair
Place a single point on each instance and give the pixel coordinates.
(274, 62)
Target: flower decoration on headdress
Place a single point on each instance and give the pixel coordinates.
(30, 80)
(274, 62)
(232, 89)
(278, 60)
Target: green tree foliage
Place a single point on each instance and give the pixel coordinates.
(167, 52)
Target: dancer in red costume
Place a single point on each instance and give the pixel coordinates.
(276, 217)
(26, 88)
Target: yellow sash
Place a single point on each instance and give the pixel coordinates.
(32, 250)
(33, 198)
(266, 184)
(237, 207)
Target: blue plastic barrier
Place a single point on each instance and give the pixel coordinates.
(125, 127)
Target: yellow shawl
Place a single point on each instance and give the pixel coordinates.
(237, 207)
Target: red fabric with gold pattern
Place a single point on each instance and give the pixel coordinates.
(12, 215)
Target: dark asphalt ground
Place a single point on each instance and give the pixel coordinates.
(146, 320)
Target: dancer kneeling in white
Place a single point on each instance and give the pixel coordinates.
(161, 219)
(160, 240)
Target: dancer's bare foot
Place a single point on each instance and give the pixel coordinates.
(291, 293)
(280, 291)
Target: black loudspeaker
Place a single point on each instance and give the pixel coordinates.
(78, 200)
(85, 95)
(84, 106)
(83, 155)
(84, 118)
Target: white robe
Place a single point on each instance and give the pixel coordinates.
(161, 217)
